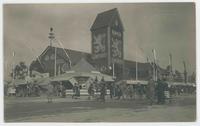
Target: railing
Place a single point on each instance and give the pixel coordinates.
(84, 92)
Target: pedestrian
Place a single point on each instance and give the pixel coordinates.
(150, 91)
(140, 90)
(50, 90)
(103, 90)
(123, 88)
(160, 92)
(129, 91)
(76, 91)
(111, 90)
(63, 91)
(118, 92)
(91, 91)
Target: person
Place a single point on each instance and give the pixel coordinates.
(130, 91)
(166, 90)
(63, 91)
(50, 93)
(76, 91)
(91, 91)
(37, 90)
(118, 92)
(103, 90)
(140, 90)
(111, 90)
(59, 89)
(123, 88)
(150, 91)
(160, 92)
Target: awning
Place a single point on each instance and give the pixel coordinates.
(43, 81)
(134, 82)
(19, 82)
(99, 76)
(82, 69)
(63, 77)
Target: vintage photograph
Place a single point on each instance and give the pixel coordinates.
(99, 62)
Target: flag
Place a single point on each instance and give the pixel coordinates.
(170, 59)
(154, 54)
(13, 53)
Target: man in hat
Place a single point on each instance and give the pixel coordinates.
(150, 90)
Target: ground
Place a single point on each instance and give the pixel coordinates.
(36, 109)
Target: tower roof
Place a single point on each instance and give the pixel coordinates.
(104, 19)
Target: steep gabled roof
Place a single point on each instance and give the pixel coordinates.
(74, 55)
(83, 66)
(104, 19)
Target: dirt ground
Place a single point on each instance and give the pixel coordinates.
(182, 109)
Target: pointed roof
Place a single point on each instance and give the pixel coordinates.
(74, 55)
(104, 19)
(83, 66)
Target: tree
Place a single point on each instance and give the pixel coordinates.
(20, 71)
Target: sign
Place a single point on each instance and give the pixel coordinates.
(99, 43)
(116, 42)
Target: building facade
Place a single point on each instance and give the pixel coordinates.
(107, 53)
(107, 42)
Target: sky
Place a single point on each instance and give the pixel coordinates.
(165, 27)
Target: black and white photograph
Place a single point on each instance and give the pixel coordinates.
(99, 62)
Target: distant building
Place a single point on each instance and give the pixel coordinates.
(107, 52)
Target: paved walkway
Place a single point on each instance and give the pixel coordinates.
(81, 110)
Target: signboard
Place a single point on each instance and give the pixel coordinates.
(99, 41)
(116, 42)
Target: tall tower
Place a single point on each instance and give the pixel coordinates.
(107, 42)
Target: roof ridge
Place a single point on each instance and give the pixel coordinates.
(71, 50)
(107, 11)
(104, 19)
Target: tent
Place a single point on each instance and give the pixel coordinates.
(82, 69)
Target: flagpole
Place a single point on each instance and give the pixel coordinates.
(113, 69)
(52, 37)
(136, 66)
(55, 62)
(154, 65)
(170, 64)
(13, 69)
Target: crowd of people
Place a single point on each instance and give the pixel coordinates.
(155, 91)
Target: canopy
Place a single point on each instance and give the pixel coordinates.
(19, 82)
(82, 69)
(43, 81)
(134, 82)
(181, 84)
(63, 77)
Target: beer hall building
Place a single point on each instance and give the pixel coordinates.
(107, 55)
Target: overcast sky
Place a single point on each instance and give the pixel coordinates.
(169, 28)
